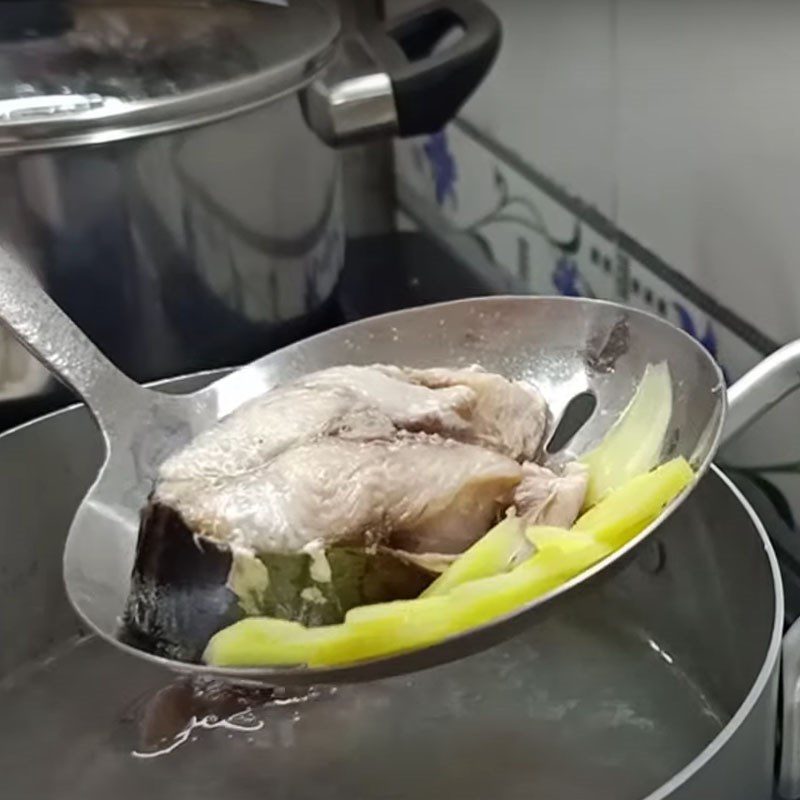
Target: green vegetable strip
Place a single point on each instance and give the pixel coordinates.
(634, 444)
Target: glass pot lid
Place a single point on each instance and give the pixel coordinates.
(88, 71)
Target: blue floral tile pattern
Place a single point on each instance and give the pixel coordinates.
(708, 338)
(568, 280)
(443, 166)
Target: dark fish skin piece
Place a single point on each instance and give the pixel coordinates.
(180, 593)
(179, 597)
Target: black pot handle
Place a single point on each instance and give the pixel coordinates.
(430, 85)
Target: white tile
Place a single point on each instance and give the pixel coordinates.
(708, 156)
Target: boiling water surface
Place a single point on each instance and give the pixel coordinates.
(577, 707)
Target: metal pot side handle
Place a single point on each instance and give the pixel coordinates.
(777, 376)
(402, 82)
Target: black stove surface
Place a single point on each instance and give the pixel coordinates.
(403, 270)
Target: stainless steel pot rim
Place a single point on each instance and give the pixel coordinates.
(767, 667)
(148, 118)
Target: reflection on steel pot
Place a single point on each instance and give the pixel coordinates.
(658, 684)
(169, 167)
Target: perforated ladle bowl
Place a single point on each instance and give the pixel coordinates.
(566, 347)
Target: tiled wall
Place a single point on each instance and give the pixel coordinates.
(642, 151)
(707, 135)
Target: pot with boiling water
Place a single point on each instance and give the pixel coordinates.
(659, 681)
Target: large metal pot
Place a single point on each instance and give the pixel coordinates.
(661, 682)
(169, 166)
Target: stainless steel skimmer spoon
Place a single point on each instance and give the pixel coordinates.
(566, 347)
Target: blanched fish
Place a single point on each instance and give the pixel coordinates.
(416, 493)
(412, 407)
(508, 416)
(544, 497)
(257, 432)
(318, 404)
(351, 485)
(469, 405)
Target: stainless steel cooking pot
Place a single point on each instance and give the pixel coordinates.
(661, 682)
(169, 166)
